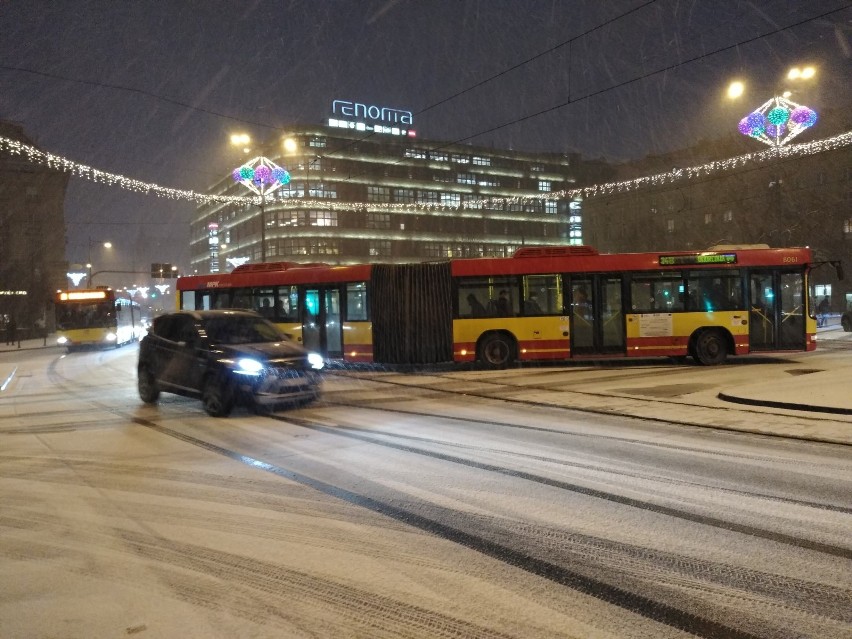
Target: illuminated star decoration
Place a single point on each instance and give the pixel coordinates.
(261, 175)
(777, 122)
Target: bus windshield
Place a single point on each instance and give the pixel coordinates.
(84, 315)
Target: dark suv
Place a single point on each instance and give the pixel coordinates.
(225, 357)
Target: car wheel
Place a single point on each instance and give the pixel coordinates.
(149, 392)
(217, 397)
(496, 350)
(711, 348)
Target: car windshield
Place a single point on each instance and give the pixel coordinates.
(241, 330)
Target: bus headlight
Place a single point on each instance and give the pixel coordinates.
(316, 361)
(110, 337)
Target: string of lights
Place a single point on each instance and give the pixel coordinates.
(58, 163)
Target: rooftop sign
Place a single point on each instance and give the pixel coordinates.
(369, 117)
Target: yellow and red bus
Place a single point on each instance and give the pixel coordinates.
(96, 317)
(543, 303)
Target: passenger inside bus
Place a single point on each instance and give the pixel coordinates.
(476, 307)
(502, 305)
(531, 307)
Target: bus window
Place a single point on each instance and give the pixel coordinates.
(263, 301)
(656, 293)
(714, 291)
(287, 304)
(187, 301)
(488, 297)
(542, 294)
(242, 299)
(356, 302)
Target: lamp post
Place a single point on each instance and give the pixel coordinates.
(106, 245)
(261, 176)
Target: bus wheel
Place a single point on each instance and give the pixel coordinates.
(711, 348)
(217, 397)
(496, 350)
(149, 392)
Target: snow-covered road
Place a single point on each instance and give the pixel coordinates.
(446, 505)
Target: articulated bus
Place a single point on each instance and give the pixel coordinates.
(543, 303)
(96, 317)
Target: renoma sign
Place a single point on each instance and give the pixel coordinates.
(369, 117)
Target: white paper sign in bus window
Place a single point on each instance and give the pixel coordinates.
(655, 325)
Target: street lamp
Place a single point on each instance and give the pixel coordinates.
(261, 176)
(106, 245)
(241, 139)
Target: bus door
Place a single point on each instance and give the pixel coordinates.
(777, 310)
(597, 320)
(322, 330)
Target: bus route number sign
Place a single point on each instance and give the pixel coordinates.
(702, 258)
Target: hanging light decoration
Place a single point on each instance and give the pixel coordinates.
(777, 121)
(279, 177)
(261, 175)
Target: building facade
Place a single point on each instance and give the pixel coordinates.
(357, 196)
(32, 238)
(801, 201)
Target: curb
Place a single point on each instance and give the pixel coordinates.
(787, 405)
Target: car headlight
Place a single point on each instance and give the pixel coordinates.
(316, 361)
(62, 340)
(248, 366)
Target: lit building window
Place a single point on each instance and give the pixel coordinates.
(427, 197)
(418, 154)
(323, 218)
(404, 195)
(317, 141)
(439, 157)
(378, 194)
(708, 218)
(378, 220)
(481, 161)
(545, 185)
(670, 225)
(466, 178)
(380, 248)
(460, 159)
(550, 207)
(847, 226)
(728, 216)
(450, 199)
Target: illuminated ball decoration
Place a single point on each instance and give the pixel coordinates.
(778, 116)
(753, 124)
(280, 175)
(776, 130)
(237, 175)
(263, 174)
(246, 173)
(803, 116)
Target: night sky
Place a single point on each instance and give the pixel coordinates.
(152, 89)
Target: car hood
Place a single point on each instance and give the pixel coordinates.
(262, 350)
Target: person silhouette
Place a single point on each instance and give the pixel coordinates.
(502, 304)
(476, 307)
